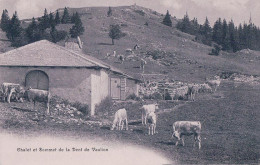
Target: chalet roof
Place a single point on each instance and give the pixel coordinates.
(47, 54)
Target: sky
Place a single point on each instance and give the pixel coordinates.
(237, 10)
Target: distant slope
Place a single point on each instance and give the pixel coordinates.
(178, 56)
(183, 59)
(5, 45)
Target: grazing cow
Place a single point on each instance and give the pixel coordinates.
(8, 89)
(143, 63)
(129, 51)
(120, 117)
(181, 128)
(136, 47)
(121, 58)
(39, 96)
(214, 84)
(205, 88)
(193, 90)
(146, 109)
(151, 119)
(180, 92)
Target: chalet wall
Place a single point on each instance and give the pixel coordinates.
(69, 83)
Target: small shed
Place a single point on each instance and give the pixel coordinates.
(65, 73)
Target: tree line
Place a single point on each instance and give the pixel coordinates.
(225, 35)
(42, 28)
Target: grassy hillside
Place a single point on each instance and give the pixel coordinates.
(176, 53)
(179, 56)
(5, 45)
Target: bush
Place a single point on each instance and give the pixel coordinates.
(79, 106)
(133, 97)
(83, 108)
(215, 51)
(105, 106)
(167, 96)
(156, 54)
(142, 13)
(154, 96)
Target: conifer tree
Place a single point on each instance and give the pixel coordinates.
(32, 31)
(217, 32)
(186, 26)
(167, 19)
(57, 17)
(206, 32)
(109, 12)
(44, 20)
(194, 26)
(77, 29)
(51, 20)
(66, 17)
(5, 21)
(15, 28)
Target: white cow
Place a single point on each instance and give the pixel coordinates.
(146, 109)
(120, 117)
(193, 90)
(214, 83)
(181, 128)
(9, 88)
(152, 119)
(39, 96)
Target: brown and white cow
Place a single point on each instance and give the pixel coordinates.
(37, 95)
(187, 128)
(9, 89)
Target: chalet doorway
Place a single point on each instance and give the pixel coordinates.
(37, 79)
(115, 88)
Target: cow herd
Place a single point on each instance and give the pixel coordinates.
(149, 118)
(11, 91)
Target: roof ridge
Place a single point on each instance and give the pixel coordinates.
(75, 54)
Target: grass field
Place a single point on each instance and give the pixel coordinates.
(229, 117)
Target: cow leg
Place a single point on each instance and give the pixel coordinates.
(142, 118)
(122, 125)
(48, 108)
(199, 140)
(9, 96)
(182, 139)
(145, 118)
(126, 124)
(195, 140)
(34, 105)
(177, 142)
(119, 124)
(149, 129)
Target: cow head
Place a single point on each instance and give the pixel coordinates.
(176, 134)
(156, 106)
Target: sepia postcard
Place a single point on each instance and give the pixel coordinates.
(145, 82)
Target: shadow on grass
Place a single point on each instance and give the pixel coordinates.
(104, 43)
(105, 127)
(166, 143)
(138, 131)
(22, 109)
(134, 122)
